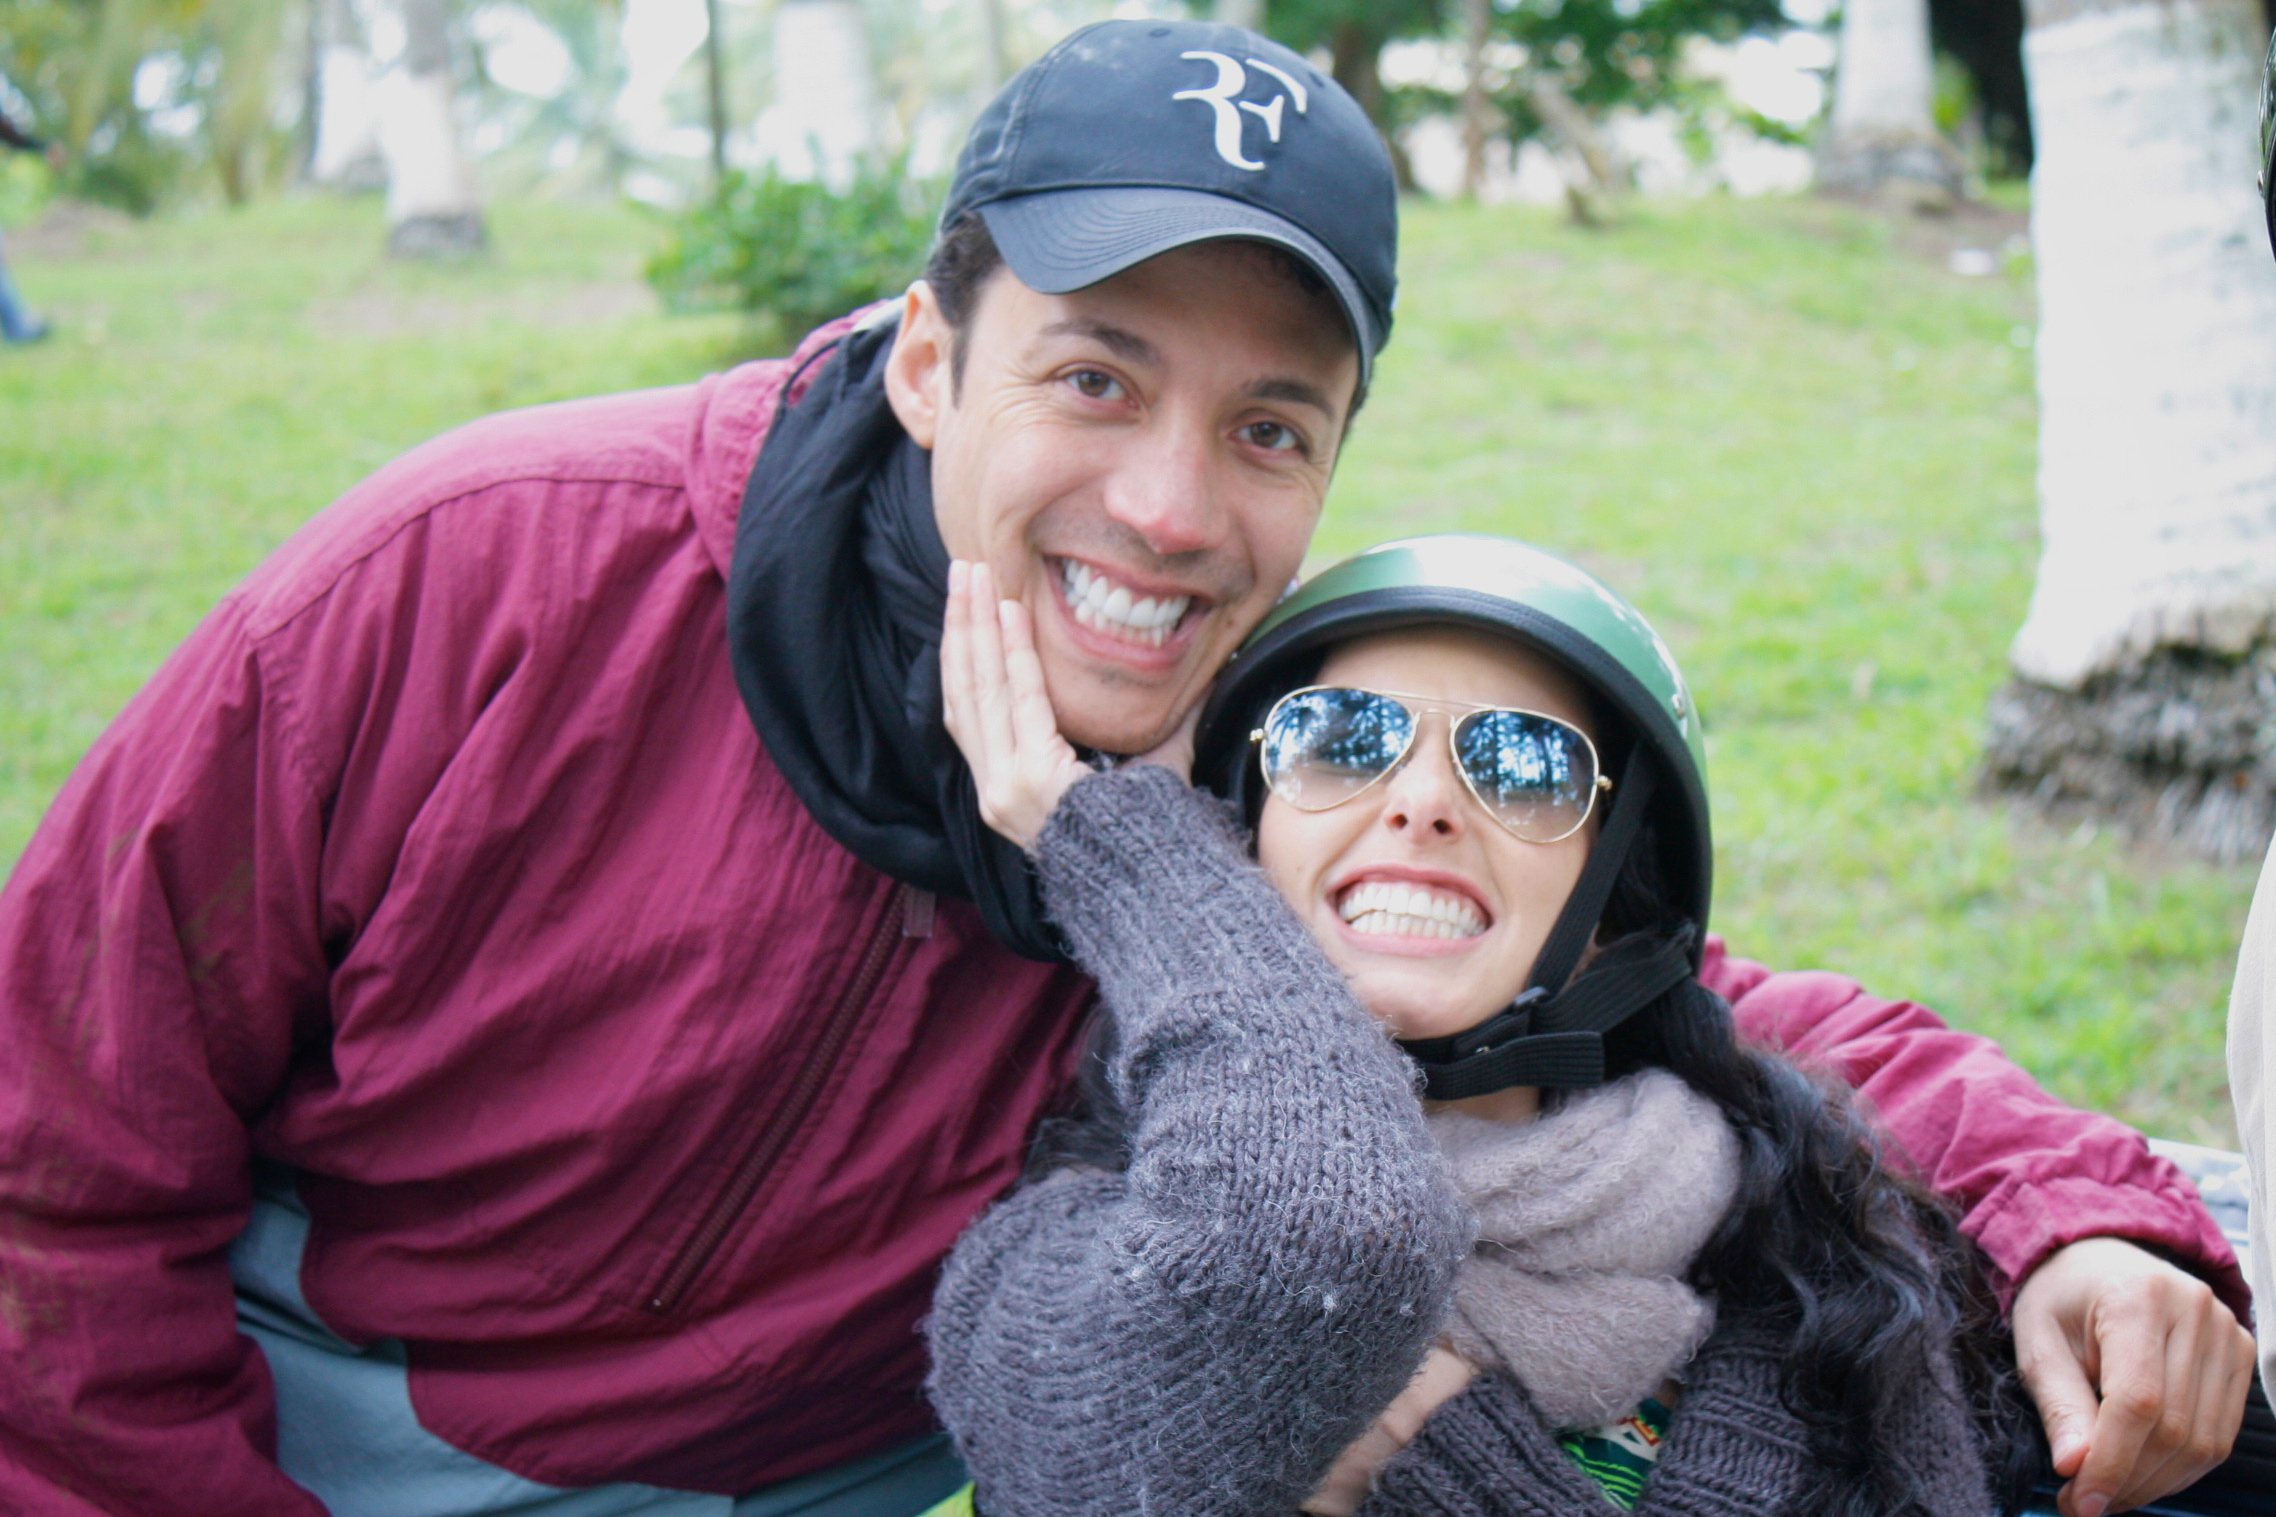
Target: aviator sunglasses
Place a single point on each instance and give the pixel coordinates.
(1326, 744)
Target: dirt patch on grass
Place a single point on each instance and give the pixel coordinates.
(67, 228)
(1970, 226)
(395, 313)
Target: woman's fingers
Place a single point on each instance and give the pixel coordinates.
(955, 654)
(992, 704)
(1033, 720)
(996, 706)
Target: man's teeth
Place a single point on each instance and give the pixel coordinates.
(1381, 908)
(1104, 606)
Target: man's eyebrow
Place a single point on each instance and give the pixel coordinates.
(1125, 343)
(1295, 391)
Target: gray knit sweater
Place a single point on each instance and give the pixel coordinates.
(1203, 1331)
(1200, 1324)
(1733, 1450)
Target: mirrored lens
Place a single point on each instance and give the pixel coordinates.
(1322, 747)
(1535, 773)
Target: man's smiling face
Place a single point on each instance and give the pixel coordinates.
(1140, 462)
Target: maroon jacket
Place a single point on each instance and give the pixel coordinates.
(442, 864)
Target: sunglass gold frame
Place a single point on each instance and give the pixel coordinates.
(1416, 707)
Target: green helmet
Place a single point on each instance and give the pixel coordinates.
(1653, 749)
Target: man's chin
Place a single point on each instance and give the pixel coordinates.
(1118, 734)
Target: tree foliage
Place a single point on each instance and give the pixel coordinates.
(150, 96)
(1605, 54)
(573, 138)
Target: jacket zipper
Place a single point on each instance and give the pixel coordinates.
(767, 1148)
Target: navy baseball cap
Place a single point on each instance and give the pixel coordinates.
(1131, 138)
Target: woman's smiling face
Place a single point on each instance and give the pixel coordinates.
(1347, 871)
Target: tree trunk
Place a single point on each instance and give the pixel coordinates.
(823, 121)
(345, 154)
(1882, 142)
(995, 48)
(239, 112)
(715, 88)
(2145, 671)
(433, 205)
(1592, 175)
(1477, 103)
(1354, 60)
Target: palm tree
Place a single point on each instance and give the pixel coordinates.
(2145, 671)
(433, 205)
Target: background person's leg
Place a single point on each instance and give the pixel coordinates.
(16, 323)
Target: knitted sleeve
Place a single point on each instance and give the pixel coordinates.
(1482, 1454)
(1735, 1449)
(1204, 1331)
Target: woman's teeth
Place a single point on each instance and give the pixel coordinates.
(1383, 909)
(1104, 606)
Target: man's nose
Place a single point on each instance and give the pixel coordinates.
(1165, 490)
(1423, 800)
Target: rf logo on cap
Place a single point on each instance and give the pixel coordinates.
(1224, 100)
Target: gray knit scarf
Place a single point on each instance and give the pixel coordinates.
(1588, 1219)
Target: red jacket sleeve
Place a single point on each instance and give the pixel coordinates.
(158, 952)
(2028, 1173)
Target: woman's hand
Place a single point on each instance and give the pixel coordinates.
(1443, 1376)
(998, 710)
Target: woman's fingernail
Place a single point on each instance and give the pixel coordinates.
(2093, 1506)
(958, 572)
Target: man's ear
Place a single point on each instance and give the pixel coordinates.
(918, 372)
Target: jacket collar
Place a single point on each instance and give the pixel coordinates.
(734, 412)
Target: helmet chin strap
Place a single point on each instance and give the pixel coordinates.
(1553, 1034)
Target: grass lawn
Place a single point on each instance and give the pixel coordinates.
(1802, 445)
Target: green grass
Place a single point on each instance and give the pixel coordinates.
(1795, 439)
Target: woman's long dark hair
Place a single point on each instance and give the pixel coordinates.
(1867, 1275)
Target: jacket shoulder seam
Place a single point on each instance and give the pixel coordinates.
(288, 608)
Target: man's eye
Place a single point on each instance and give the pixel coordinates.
(1094, 385)
(1274, 436)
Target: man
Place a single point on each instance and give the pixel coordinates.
(513, 1014)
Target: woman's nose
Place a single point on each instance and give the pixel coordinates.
(1424, 798)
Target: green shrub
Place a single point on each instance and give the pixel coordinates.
(799, 253)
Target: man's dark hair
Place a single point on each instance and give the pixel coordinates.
(964, 256)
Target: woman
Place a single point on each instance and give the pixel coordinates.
(1637, 1264)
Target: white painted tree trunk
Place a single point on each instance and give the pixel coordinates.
(1882, 137)
(434, 205)
(2157, 339)
(346, 155)
(824, 118)
(2150, 644)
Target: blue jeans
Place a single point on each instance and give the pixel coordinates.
(16, 323)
